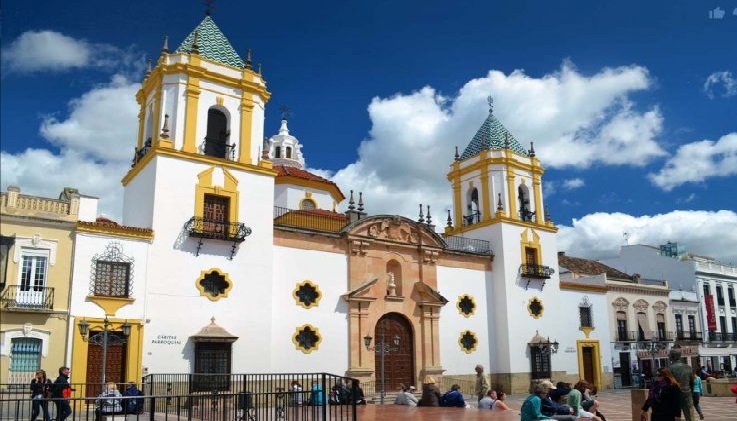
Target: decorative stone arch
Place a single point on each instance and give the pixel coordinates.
(620, 304)
(641, 305)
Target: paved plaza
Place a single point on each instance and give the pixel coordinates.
(615, 405)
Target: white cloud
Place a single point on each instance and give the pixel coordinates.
(36, 51)
(696, 161)
(725, 79)
(600, 235)
(574, 183)
(412, 138)
(95, 145)
(102, 123)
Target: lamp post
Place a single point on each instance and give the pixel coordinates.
(382, 348)
(103, 339)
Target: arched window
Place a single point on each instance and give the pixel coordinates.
(277, 152)
(621, 326)
(473, 214)
(525, 211)
(289, 152)
(216, 140)
(307, 204)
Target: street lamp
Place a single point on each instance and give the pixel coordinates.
(382, 348)
(104, 340)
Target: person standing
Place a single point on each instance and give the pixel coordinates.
(482, 386)
(61, 392)
(40, 390)
(697, 392)
(684, 376)
(663, 397)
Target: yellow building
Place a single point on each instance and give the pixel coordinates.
(37, 248)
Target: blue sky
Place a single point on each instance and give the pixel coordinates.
(632, 107)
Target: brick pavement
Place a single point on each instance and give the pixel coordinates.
(615, 405)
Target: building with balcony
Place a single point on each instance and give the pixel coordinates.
(641, 325)
(37, 245)
(712, 284)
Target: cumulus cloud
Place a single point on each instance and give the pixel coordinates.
(95, 143)
(574, 119)
(37, 51)
(724, 79)
(600, 235)
(696, 161)
(574, 183)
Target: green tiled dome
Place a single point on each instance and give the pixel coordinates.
(211, 44)
(492, 135)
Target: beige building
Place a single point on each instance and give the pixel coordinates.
(37, 248)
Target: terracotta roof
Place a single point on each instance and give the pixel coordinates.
(284, 170)
(102, 222)
(590, 267)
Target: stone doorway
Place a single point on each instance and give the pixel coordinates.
(398, 365)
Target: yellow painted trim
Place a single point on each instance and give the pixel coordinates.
(302, 202)
(593, 343)
(194, 157)
(192, 92)
(206, 294)
(300, 347)
(331, 188)
(570, 286)
(542, 307)
(110, 305)
(457, 198)
(533, 244)
(475, 345)
(458, 305)
(460, 230)
(116, 231)
(205, 186)
(134, 344)
(157, 117)
(486, 195)
(586, 330)
(141, 124)
(244, 151)
(317, 290)
(219, 100)
(511, 195)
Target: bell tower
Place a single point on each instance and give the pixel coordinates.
(200, 103)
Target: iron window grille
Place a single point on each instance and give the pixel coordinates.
(585, 314)
(112, 272)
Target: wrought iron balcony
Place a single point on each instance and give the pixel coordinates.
(27, 298)
(235, 232)
(663, 336)
(472, 218)
(138, 154)
(219, 148)
(722, 337)
(536, 271)
(626, 336)
(469, 245)
(689, 336)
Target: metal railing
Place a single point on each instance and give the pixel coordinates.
(312, 220)
(218, 230)
(219, 148)
(138, 154)
(536, 271)
(722, 337)
(683, 335)
(469, 245)
(256, 399)
(27, 298)
(472, 218)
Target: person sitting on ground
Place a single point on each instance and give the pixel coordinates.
(108, 402)
(574, 401)
(134, 404)
(552, 407)
(406, 396)
(530, 410)
(559, 394)
(297, 393)
(357, 395)
(430, 393)
(588, 403)
(499, 404)
(487, 401)
(453, 397)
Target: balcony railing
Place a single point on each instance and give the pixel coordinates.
(722, 337)
(472, 218)
(138, 154)
(469, 245)
(235, 232)
(665, 336)
(536, 271)
(24, 298)
(317, 220)
(219, 148)
(689, 336)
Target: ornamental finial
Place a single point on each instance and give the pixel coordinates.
(490, 100)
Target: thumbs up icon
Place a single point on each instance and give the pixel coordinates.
(717, 13)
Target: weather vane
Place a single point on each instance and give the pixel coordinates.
(209, 7)
(284, 112)
(490, 100)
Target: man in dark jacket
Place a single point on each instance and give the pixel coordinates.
(133, 405)
(453, 397)
(61, 392)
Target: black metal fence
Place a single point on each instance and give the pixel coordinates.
(309, 219)
(469, 245)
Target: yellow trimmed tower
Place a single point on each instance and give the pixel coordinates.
(497, 196)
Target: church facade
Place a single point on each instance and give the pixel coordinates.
(232, 258)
